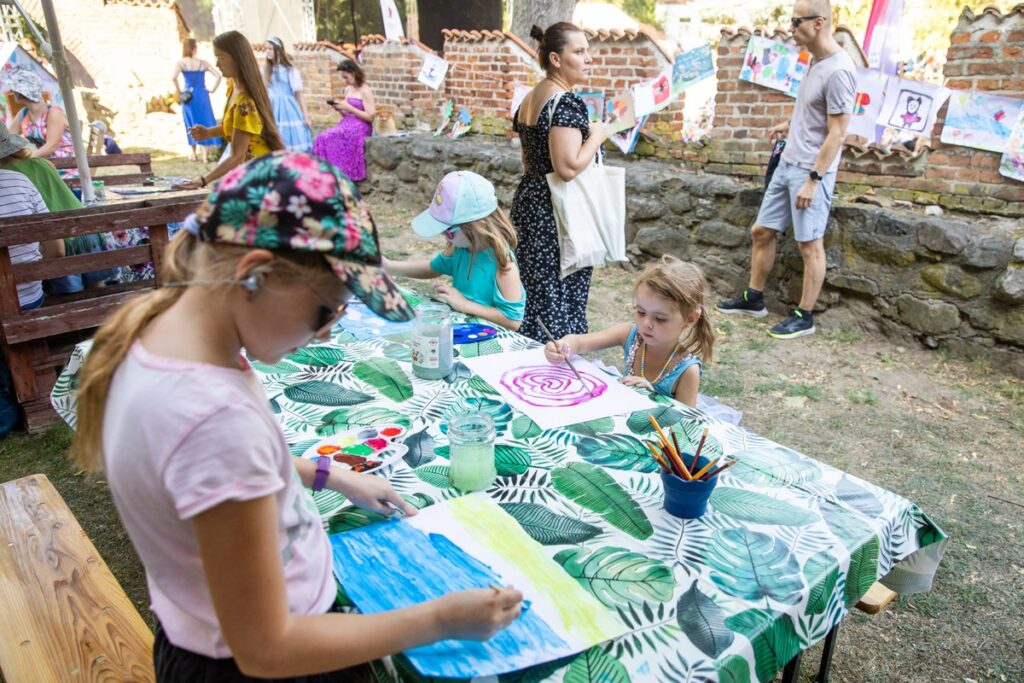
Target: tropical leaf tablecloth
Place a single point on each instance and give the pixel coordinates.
(787, 547)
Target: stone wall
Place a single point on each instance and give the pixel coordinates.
(940, 280)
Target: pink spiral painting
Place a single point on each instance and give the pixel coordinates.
(551, 386)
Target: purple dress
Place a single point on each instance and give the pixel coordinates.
(343, 144)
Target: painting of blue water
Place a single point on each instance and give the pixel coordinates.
(980, 121)
(390, 565)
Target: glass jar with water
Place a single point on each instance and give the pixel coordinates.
(471, 451)
(432, 341)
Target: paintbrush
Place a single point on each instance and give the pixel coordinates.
(670, 452)
(700, 447)
(714, 473)
(525, 605)
(555, 342)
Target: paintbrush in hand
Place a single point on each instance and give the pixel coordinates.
(555, 342)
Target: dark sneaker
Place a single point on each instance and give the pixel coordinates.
(796, 325)
(741, 305)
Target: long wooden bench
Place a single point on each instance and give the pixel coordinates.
(37, 343)
(140, 161)
(65, 617)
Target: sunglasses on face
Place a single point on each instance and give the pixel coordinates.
(326, 316)
(796, 21)
(450, 232)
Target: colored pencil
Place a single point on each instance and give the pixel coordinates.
(658, 459)
(670, 452)
(555, 342)
(703, 470)
(700, 447)
(675, 443)
(714, 473)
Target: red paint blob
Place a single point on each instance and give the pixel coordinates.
(391, 431)
(377, 444)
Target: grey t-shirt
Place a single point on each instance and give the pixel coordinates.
(829, 87)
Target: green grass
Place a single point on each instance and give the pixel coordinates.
(811, 392)
(861, 396)
(845, 336)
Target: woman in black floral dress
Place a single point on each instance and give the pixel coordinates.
(566, 146)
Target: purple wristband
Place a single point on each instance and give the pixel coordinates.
(323, 470)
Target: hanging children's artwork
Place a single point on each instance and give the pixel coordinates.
(595, 104)
(392, 20)
(652, 94)
(620, 113)
(467, 543)
(867, 104)
(462, 124)
(446, 116)
(1012, 163)
(519, 93)
(775, 65)
(626, 140)
(911, 105)
(433, 71)
(551, 395)
(980, 120)
(691, 67)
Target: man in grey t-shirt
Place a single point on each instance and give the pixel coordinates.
(800, 191)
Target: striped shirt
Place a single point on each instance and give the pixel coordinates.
(19, 197)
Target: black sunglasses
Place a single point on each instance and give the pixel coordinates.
(796, 21)
(325, 315)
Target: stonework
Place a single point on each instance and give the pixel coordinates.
(939, 280)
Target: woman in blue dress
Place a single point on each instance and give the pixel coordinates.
(195, 97)
(284, 85)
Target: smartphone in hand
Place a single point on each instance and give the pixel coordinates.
(332, 102)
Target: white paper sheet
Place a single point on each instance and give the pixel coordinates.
(433, 71)
(392, 20)
(551, 395)
(912, 105)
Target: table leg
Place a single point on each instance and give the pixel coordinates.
(792, 671)
(826, 655)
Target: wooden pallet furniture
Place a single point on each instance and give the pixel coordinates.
(37, 343)
(141, 161)
(65, 616)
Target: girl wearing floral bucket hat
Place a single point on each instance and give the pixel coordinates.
(237, 560)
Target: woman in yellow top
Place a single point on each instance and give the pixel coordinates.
(248, 122)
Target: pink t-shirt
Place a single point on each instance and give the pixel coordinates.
(179, 438)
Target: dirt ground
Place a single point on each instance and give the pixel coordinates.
(946, 434)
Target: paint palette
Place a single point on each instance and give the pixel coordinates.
(469, 333)
(362, 449)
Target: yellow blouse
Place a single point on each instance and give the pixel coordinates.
(240, 114)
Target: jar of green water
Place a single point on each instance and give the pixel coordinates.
(432, 341)
(471, 451)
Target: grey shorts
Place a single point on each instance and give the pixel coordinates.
(778, 207)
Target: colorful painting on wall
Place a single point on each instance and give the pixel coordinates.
(626, 140)
(433, 71)
(620, 113)
(595, 104)
(552, 395)
(775, 65)
(692, 67)
(1012, 163)
(465, 543)
(867, 104)
(980, 120)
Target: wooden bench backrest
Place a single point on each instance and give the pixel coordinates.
(141, 160)
(65, 617)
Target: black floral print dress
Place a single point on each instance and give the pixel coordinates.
(561, 304)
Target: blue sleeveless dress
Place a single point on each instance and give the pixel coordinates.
(666, 385)
(198, 111)
(284, 81)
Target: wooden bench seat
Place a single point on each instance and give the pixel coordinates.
(36, 343)
(141, 161)
(65, 617)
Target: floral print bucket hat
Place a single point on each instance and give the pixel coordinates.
(289, 201)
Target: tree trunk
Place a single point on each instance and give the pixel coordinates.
(526, 13)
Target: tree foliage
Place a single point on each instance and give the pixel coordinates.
(335, 21)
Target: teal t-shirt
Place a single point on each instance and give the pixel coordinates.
(480, 284)
(666, 386)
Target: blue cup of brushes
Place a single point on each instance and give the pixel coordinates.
(688, 499)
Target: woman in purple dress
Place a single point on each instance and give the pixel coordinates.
(343, 144)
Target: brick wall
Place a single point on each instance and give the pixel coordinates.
(484, 68)
(391, 69)
(985, 54)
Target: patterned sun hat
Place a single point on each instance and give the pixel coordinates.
(26, 84)
(289, 201)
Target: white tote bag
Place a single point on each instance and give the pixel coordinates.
(590, 212)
